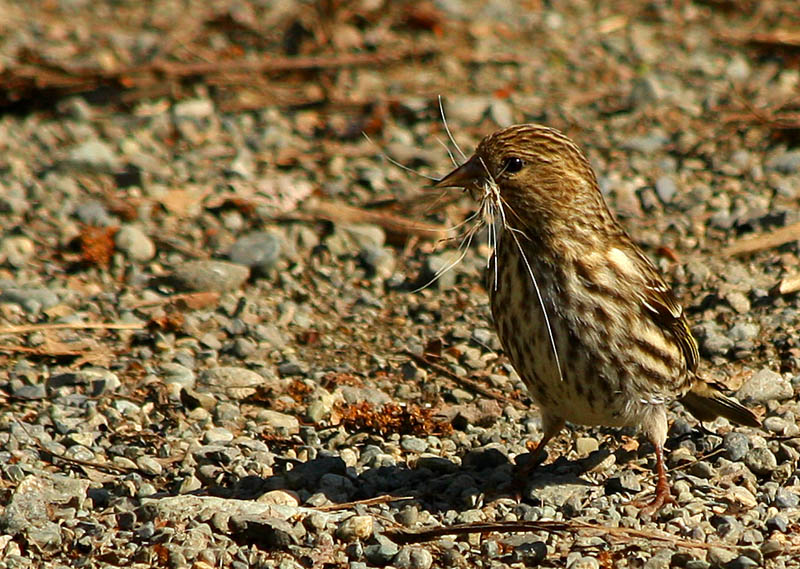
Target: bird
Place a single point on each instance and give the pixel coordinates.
(585, 318)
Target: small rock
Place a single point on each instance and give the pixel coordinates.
(32, 299)
(194, 108)
(413, 558)
(530, 554)
(584, 563)
(626, 482)
(738, 301)
(94, 154)
(736, 446)
(217, 435)
(666, 188)
(134, 243)
(279, 421)
(586, 445)
(741, 562)
(17, 251)
(785, 163)
(259, 251)
(765, 385)
(234, 382)
(204, 275)
(761, 461)
(785, 498)
(356, 527)
(382, 552)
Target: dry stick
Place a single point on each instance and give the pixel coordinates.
(468, 383)
(82, 77)
(40, 351)
(765, 240)
(366, 502)
(405, 536)
(25, 328)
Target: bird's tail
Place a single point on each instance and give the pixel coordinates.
(706, 402)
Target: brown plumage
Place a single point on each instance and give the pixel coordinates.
(585, 318)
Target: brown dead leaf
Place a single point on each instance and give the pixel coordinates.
(391, 418)
(96, 244)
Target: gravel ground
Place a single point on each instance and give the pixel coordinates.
(202, 366)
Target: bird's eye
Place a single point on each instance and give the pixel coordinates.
(512, 165)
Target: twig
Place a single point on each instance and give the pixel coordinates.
(403, 536)
(764, 241)
(25, 328)
(40, 351)
(366, 502)
(468, 383)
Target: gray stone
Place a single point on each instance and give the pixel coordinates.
(413, 558)
(785, 498)
(666, 188)
(30, 392)
(259, 251)
(93, 212)
(382, 552)
(17, 250)
(175, 373)
(206, 275)
(530, 553)
(467, 109)
(742, 562)
(94, 154)
(765, 385)
(584, 562)
(736, 446)
(379, 261)
(785, 163)
(32, 299)
(738, 301)
(101, 380)
(744, 331)
(761, 461)
(279, 421)
(30, 510)
(234, 382)
(134, 243)
(647, 144)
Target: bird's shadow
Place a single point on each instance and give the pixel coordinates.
(435, 484)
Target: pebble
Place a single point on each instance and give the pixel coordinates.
(666, 188)
(17, 251)
(356, 527)
(94, 154)
(785, 163)
(233, 382)
(413, 558)
(763, 386)
(135, 243)
(279, 421)
(219, 276)
(259, 251)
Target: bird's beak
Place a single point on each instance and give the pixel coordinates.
(468, 176)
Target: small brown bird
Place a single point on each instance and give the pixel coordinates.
(584, 316)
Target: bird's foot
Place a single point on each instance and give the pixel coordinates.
(662, 498)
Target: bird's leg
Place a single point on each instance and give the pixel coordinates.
(552, 426)
(663, 495)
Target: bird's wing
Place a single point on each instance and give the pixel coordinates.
(662, 307)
